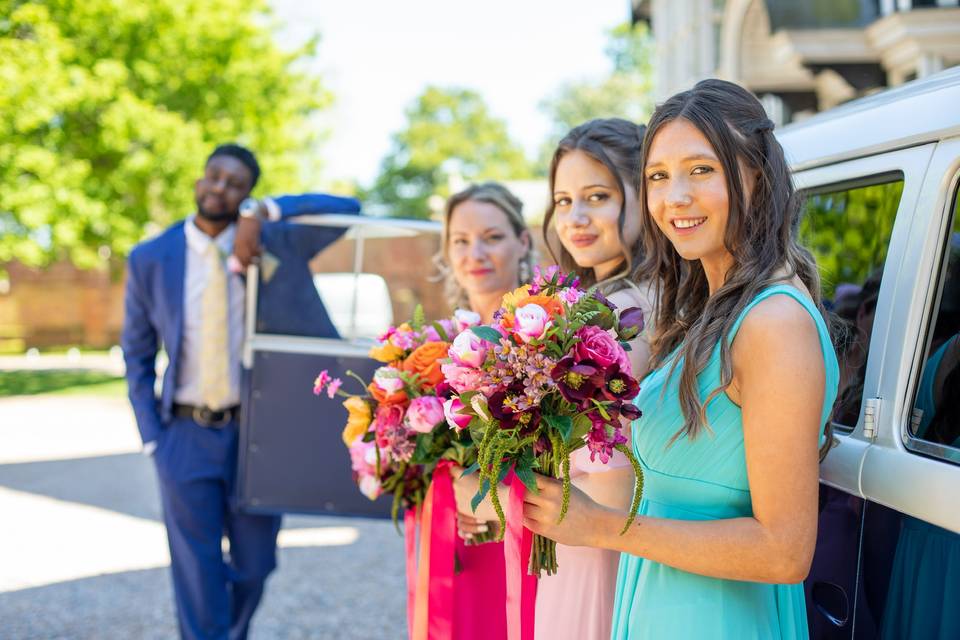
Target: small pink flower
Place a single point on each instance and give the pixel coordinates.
(460, 378)
(369, 486)
(531, 322)
(452, 411)
(320, 382)
(570, 295)
(403, 339)
(468, 350)
(465, 319)
(388, 379)
(425, 413)
(333, 387)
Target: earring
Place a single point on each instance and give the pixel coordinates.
(524, 272)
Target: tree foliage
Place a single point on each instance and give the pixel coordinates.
(109, 108)
(449, 131)
(627, 92)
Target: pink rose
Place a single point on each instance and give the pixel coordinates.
(465, 319)
(598, 345)
(460, 378)
(388, 379)
(468, 350)
(530, 322)
(452, 412)
(425, 413)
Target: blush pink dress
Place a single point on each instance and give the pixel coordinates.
(577, 602)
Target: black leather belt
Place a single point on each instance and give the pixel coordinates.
(206, 417)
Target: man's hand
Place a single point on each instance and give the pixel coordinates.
(246, 246)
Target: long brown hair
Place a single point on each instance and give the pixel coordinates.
(761, 237)
(615, 143)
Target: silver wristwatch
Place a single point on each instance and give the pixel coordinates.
(250, 208)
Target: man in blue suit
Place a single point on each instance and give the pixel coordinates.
(181, 295)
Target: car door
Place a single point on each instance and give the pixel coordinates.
(856, 222)
(909, 578)
(292, 457)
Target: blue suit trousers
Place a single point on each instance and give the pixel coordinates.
(216, 590)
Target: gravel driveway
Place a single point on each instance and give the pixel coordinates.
(83, 551)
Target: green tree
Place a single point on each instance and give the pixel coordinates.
(627, 92)
(109, 108)
(449, 131)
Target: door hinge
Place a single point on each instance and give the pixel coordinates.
(871, 410)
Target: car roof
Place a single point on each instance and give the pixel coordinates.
(921, 111)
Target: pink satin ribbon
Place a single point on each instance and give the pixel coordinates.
(410, 541)
(521, 587)
(433, 606)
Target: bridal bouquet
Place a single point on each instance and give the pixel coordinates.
(544, 379)
(397, 431)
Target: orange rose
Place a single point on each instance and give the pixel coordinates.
(549, 303)
(382, 397)
(425, 360)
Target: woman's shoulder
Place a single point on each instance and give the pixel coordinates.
(632, 294)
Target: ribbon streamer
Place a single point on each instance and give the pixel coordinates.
(521, 587)
(433, 607)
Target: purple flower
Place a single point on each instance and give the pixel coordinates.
(577, 381)
(603, 438)
(630, 323)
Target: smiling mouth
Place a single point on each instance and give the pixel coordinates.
(687, 223)
(583, 241)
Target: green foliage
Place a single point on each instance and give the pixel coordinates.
(848, 231)
(109, 109)
(626, 93)
(449, 131)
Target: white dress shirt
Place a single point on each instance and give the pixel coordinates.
(188, 390)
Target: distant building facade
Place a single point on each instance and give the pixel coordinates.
(800, 57)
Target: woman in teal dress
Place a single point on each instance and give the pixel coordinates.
(743, 381)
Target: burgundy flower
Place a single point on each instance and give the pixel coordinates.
(618, 385)
(625, 409)
(577, 381)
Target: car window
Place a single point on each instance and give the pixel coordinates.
(848, 230)
(936, 407)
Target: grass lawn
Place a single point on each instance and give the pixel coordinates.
(61, 382)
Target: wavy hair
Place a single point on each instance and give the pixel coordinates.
(761, 237)
(490, 193)
(615, 143)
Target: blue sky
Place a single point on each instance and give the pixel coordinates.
(377, 56)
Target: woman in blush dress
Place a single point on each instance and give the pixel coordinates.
(744, 379)
(595, 215)
(486, 253)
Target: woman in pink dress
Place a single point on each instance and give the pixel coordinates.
(487, 252)
(595, 216)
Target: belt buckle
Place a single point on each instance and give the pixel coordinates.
(204, 416)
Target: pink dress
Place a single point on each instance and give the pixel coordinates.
(481, 582)
(577, 602)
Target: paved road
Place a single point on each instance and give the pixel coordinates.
(83, 552)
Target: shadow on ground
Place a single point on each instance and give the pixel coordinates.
(335, 593)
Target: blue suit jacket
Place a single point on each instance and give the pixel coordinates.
(153, 300)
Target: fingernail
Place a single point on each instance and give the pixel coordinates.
(468, 536)
(482, 528)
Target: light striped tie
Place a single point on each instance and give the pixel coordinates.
(214, 373)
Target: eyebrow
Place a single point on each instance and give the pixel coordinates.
(589, 186)
(697, 156)
(487, 230)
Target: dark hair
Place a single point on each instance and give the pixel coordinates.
(615, 143)
(242, 154)
(761, 238)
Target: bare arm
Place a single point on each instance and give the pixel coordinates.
(779, 383)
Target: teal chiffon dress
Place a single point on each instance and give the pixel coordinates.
(704, 479)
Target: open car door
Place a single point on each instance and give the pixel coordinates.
(292, 458)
